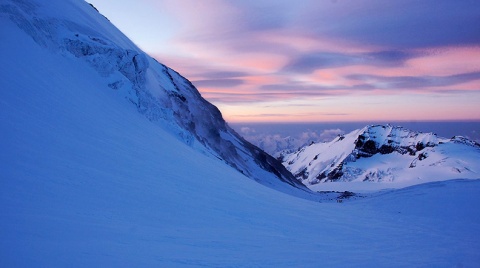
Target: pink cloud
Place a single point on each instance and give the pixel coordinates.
(446, 61)
(298, 41)
(331, 54)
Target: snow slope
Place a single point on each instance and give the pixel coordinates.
(77, 31)
(394, 156)
(88, 181)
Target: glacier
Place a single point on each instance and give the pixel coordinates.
(159, 93)
(90, 177)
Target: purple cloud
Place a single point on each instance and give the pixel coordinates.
(264, 51)
(397, 24)
(222, 74)
(314, 90)
(310, 62)
(412, 82)
(218, 83)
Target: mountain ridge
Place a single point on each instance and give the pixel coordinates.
(88, 181)
(158, 92)
(385, 153)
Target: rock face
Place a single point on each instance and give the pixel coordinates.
(159, 93)
(388, 139)
(385, 153)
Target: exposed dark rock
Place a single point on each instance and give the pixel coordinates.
(420, 146)
(359, 142)
(345, 195)
(422, 156)
(320, 176)
(94, 7)
(303, 174)
(386, 149)
(336, 173)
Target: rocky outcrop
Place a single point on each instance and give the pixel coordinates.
(388, 139)
(395, 150)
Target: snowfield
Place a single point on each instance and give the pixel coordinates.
(88, 181)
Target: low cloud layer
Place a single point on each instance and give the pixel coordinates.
(276, 143)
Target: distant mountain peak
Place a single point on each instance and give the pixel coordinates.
(381, 153)
(385, 139)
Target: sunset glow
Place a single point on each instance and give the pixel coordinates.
(330, 60)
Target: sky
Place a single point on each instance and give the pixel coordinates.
(316, 60)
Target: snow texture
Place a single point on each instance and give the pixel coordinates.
(99, 170)
(158, 92)
(388, 154)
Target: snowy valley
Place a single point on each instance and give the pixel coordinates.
(111, 159)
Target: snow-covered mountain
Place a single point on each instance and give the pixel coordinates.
(385, 153)
(155, 90)
(88, 181)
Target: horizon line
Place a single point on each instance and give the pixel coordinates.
(360, 121)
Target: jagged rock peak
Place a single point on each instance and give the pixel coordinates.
(386, 139)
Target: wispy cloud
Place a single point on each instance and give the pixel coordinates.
(222, 74)
(404, 24)
(239, 53)
(414, 82)
(310, 62)
(221, 83)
